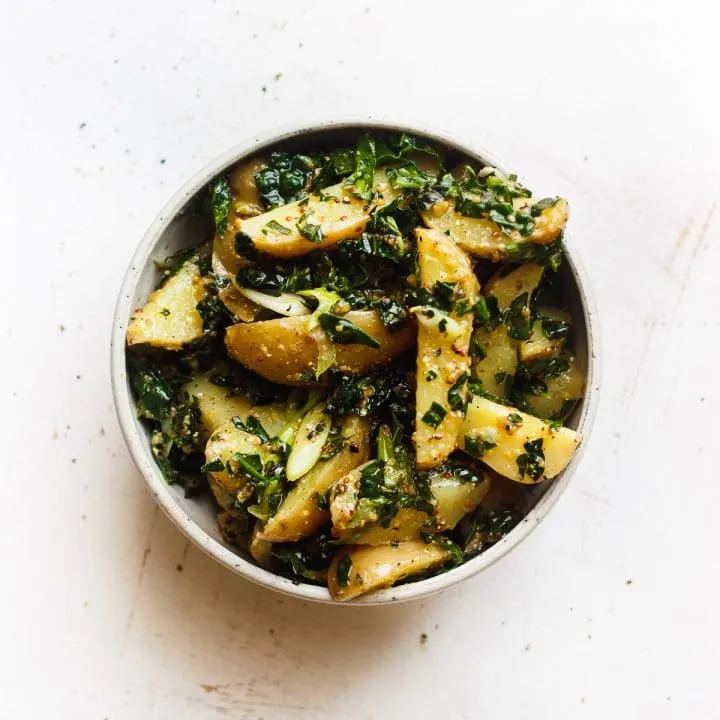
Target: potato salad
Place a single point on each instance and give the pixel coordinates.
(366, 358)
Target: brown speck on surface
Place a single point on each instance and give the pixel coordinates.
(210, 688)
(145, 557)
(162, 161)
(78, 377)
(179, 567)
(628, 581)
(102, 431)
(527, 647)
(61, 328)
(82, 126)
(423, 638)
(278, 76)
(55, 434)
(264, 88)
(73, 461)
(83, 517)
(271, 631)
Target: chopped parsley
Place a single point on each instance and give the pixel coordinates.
(434, 415)
(532, 461)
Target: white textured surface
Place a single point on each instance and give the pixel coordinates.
(610, 609)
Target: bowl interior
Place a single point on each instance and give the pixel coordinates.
(178, 228)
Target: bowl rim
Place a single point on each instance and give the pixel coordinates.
(140, 451)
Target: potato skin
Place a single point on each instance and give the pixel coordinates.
(374, 568)
(284, 351)
(299, 515)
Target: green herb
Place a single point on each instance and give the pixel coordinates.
(362, 180)
(245, 246)
(276, 227)
(555, 329)
(213, 312)
(344, 332)
(477, 447)
(385, 445)
(216, 465)
(153, 393)
(253, 426)
(285, 179)
(435, 415)
(343, 570)
(393, 313)
(532, 461)
(487, 312)
(310, 231)
(477, 351)
(409, 177)
(514, 419)
(431, 375)
(397, 147)
(221, 200)
(463, 307)
(456, 394)
(165, 312)
(322, 501)
(485, 528)
(456, 555)
(519, 318)
(544, 204)
(549, 255)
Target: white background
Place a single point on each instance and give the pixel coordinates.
(611, 609)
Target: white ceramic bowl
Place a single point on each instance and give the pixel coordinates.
(172, 231)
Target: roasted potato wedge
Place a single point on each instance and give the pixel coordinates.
(299, 515)
(443, 356)
(285, 351)
(357, 570)
(218, 405)
(339, 214)
(170, 319)
(246, 203)
(484, 238)
(517, 445)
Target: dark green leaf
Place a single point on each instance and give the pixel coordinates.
(277, 228)
(310, 231)
(221, 200)
(344, 332)
(532, 461)
(435, 415)
(456, 394)
(343, 570)
(362, 180)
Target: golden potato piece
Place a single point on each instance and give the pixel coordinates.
(339, 213)
(484, 238)
(500, 359)
(299, 514)
(360, 569)
(505, 288)
(550, 223)
(170, 319)
(505, 439)
(218, 405)
(443, 355)
(565, 388)
(285, 351)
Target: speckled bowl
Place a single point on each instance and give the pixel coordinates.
(173, 230)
